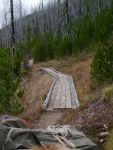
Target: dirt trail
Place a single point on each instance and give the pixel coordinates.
(47, 119)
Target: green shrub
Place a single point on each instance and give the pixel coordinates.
(102, 65)
(17, 107)
(6, 79)
(104, 25)
(20, 93)
(39, 52)
(83, 32)
(44, 97)
(65, 47)
(108, 93)
(9, 78)
(50, 47)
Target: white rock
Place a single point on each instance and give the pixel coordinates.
(103, 134)
(101, 140)
(31, 61)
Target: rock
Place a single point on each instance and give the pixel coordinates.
(103, 134)
(105, 126)
(101, 141)
(31, 62)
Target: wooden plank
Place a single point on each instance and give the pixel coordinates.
(63, 102)
(75, 93)
(57, 104)
(70, 87)
(52, 100)
(68, 100)
(58, 96)
(46, 103)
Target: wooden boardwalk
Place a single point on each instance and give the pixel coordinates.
(62, 94)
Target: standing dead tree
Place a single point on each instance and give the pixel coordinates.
(67, 17)
(59, 18)
(5, 24)
(12, 28)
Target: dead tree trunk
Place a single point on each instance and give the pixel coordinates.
(12, 27)
(59, 18)
(67, 17)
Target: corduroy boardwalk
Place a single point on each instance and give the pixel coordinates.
(62, 94)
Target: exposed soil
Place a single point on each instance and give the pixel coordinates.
(47, 119)
(93, 118)
(96, 119)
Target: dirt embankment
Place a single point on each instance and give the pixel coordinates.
(36, 86)
(80, 71)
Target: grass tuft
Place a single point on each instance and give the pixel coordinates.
(108, 93)
(109, 143)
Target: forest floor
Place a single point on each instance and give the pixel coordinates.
(93, 116)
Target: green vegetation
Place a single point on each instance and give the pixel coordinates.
(88, 33)
(9, 79)
(85, 33)
(109, 143)
(108, 93)
(44, 97)
(17, 107)
(7, 84)
(82, 32)
(102, 65)
(20, 93)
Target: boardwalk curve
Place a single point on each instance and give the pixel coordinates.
(62, 94)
